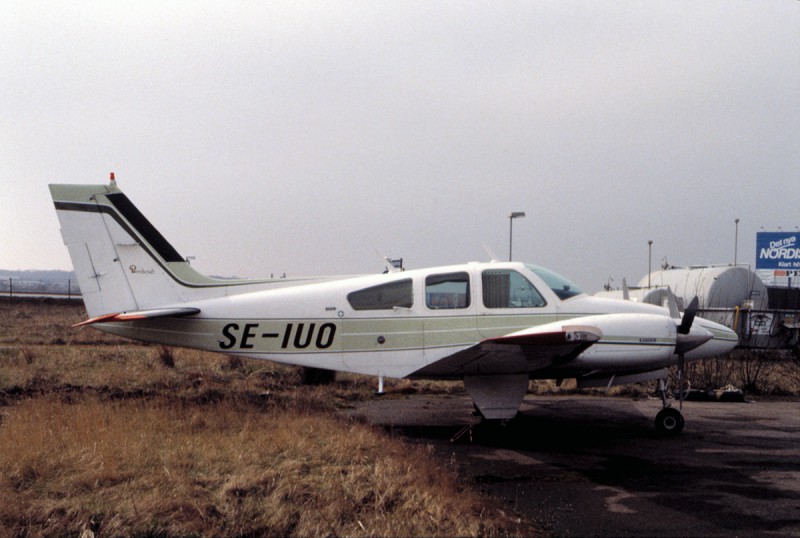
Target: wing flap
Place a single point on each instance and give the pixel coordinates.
(176, 312)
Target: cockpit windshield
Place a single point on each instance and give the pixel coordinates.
(560, 285)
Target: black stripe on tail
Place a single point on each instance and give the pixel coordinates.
(143, 226)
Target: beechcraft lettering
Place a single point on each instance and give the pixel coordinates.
(297, 336)
(493, 325)
(135, 270)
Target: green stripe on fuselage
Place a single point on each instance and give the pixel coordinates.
(325, 335)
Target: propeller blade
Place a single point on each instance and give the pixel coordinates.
(672, 304)
(688, 317)
(688, 339)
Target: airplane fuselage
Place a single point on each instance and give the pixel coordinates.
(323, 324)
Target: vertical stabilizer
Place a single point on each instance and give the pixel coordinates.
(121, 261)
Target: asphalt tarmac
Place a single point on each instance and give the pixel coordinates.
(595, 466)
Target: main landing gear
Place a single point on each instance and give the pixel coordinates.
(669, 421)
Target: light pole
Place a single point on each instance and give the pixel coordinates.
(736, 242)
(649, 261)
(511, 217)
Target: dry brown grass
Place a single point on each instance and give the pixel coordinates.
(759, 372)
(47, 321)
(99, 434)
(174, 469)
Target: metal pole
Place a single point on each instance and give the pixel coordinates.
(736, 243)
(510, 235)
(511, 217)
(649, 261)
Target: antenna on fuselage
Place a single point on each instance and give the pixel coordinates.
(492, 256)
(393, 266)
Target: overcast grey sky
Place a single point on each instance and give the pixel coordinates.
(313, 138)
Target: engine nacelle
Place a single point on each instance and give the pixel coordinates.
(630, 342)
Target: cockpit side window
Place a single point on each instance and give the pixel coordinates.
(560, 285)
(506, 288)
(449, 290)
(383, 296)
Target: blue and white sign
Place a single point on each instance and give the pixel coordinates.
(778, 250)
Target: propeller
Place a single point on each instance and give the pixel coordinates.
(688, 337)
(688, 317)
(672, 304)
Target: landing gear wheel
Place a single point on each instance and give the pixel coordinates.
(669, 421)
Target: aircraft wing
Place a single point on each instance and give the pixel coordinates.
(520, 352)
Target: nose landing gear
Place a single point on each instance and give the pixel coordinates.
(669, 421)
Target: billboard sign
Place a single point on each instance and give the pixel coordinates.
(778, 251)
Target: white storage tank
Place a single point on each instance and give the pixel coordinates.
(653, 295)
(722, 286)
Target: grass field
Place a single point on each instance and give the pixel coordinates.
(100, 436)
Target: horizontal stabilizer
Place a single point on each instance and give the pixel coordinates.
(141, 314)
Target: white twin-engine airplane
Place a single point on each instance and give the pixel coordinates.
(495, 325)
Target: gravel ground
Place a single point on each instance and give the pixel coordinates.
(595, 466)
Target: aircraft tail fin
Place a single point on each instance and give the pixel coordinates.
(122, 262)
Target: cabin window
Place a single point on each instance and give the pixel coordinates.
(383, 296)
(450, 290)
(505, 288)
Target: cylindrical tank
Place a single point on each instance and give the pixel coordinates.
(716, 287)
(653, 295)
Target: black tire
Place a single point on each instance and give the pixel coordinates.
(669, 421)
